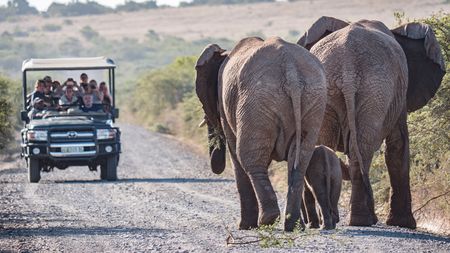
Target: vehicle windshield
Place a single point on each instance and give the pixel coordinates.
(68, 92)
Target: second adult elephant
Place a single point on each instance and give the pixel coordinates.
(266, 99)
(375, 76)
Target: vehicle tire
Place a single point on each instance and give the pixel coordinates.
(103, 171)
(34, 170)
(111, 168)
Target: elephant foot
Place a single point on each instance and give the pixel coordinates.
(406, 220)
(246, 225)
(363, 220)
(269, 218)
(313, 225)
(290, 224)
(328, 225)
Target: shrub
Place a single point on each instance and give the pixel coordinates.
(51, 28)
(6, 110)
(89, 33)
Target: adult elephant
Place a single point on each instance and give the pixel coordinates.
(375, 76)
(266, 100)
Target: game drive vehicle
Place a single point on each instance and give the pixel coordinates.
(60, 136)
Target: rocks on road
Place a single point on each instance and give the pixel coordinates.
(166, 199)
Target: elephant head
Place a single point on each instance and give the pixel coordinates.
(426, 66)
(320, 29)
(206, 82)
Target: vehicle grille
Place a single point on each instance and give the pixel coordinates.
(72, 143)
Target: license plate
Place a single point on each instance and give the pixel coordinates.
(72, 149)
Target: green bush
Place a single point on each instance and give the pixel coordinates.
(89, 33)
(163, 88)
(51, 28)
(7, 110)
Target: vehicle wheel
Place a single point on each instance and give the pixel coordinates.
(109, 170)
(103, 171)
(34, 170)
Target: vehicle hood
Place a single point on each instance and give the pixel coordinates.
(67, 121)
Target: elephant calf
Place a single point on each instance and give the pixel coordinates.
(324, 179)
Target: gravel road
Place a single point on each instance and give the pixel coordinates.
(166, 200)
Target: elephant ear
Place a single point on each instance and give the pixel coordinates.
(426, 66)
(320, 29)
(207, 67)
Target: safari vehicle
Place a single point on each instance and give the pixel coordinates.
(70, 138)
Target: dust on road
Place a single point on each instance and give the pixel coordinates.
(165, 200)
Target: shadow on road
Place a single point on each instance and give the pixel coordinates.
(397, 234)
(149, 180)
(67, 231)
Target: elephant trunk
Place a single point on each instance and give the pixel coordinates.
(217, 148)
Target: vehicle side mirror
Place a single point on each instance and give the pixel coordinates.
(115, 113)
(24, 116)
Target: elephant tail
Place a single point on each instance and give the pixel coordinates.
(353, 142)
(294, 88)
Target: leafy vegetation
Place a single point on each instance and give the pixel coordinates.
(130, 6)
(77, 8)
(51, 28)
(16, 8)
(9, 90)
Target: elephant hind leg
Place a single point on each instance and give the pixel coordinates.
(397, 161)
(255, 159)
(362, 144)
(249, 204)
(247, 196)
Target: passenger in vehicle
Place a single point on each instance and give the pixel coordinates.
(69, 99)
(78, 91)
(107, 99)
(88, 104)
(38, 92)
(38, 109)
(57, 89)
(48, 92)
(98, 96)
(84, 81)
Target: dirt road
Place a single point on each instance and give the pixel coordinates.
(165, 201)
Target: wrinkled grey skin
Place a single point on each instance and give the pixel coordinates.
(323, 181)
(259, 98)
(369, 93)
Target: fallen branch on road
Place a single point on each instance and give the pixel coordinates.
(428, 201)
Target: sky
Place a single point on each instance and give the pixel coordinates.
(42, 5)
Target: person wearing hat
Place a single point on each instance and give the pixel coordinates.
(38, 109)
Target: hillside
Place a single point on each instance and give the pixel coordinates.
(233, 22)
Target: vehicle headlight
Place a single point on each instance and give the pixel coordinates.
(103, 134)
(37, 135)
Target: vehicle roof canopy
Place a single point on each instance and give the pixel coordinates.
(68, 63)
